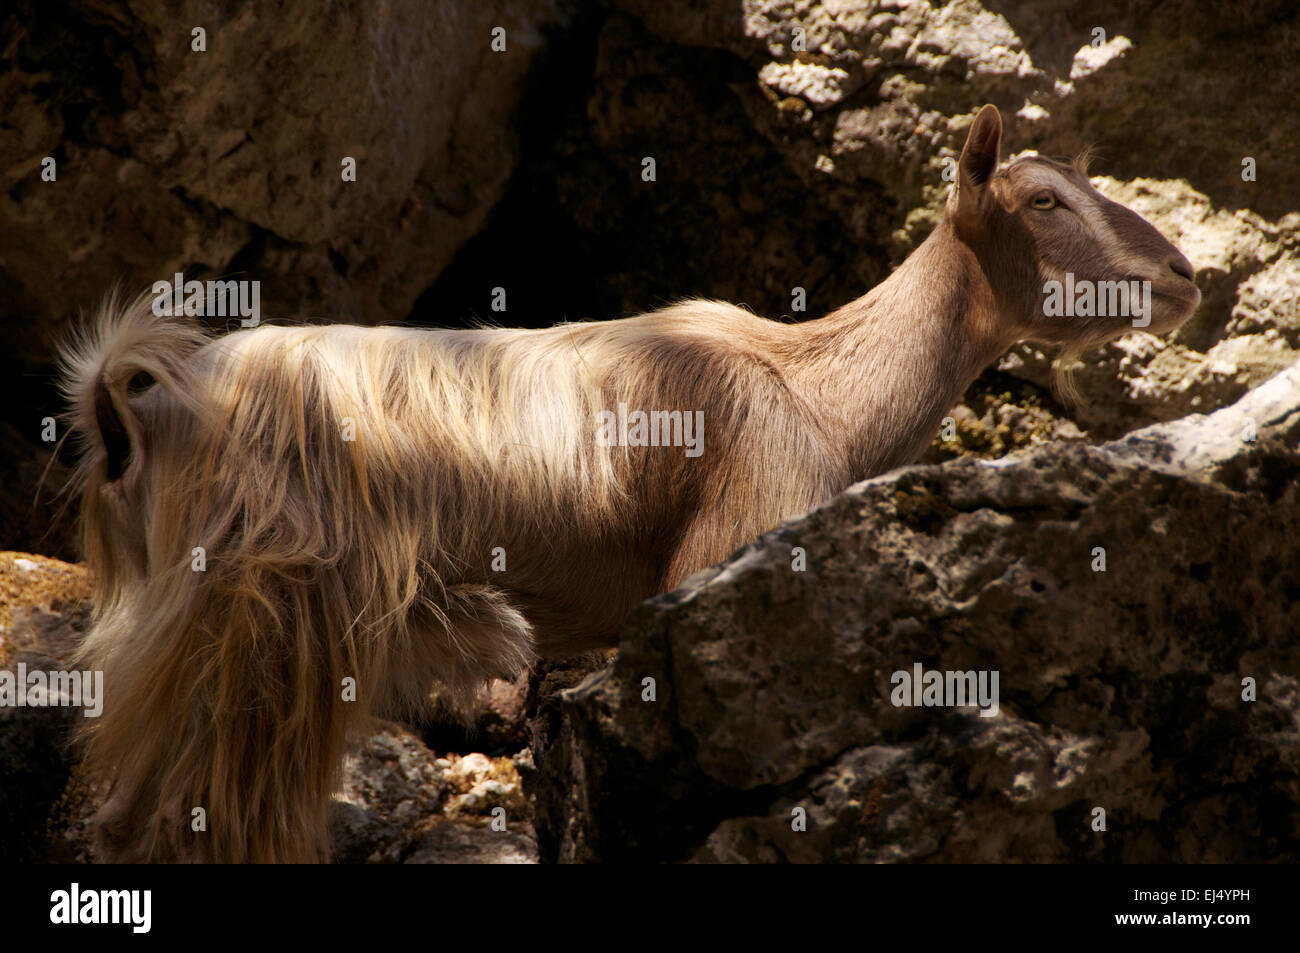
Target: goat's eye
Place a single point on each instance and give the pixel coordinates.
(1044, 201)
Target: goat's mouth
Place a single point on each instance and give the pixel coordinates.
(1180, 288)
(1170, 309)
(1188, 298)
(1177, 289)
(1172, 301)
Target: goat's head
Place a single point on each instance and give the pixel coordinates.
(1067, 266)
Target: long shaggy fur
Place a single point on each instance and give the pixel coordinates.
(330, 558)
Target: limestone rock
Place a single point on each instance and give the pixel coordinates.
(43, 611)
(1123, 688)
(231, 156)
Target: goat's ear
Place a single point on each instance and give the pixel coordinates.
(979, 160)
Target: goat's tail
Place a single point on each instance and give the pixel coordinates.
(125, 347)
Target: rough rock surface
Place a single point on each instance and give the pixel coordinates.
(43, 610)
(230, 157)
(1121, 688)
(403, 804)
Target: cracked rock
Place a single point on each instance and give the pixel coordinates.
(1139, 600)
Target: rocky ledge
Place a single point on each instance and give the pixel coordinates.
(1138, 601)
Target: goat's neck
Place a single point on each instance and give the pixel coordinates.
(884, 369)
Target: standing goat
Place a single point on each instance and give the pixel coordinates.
(403, 507)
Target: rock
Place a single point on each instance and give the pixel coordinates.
(359, 836)
(1120, 689)
(401, 804)
(44, 607)
(35, 767)
(478, 785)
(43, 612)
(446, 842)
(389, 785)
(231, 156)
(1002, 415)
(819, 85)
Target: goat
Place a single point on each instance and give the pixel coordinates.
(474, 519)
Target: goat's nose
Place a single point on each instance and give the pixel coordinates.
(1182, 267)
